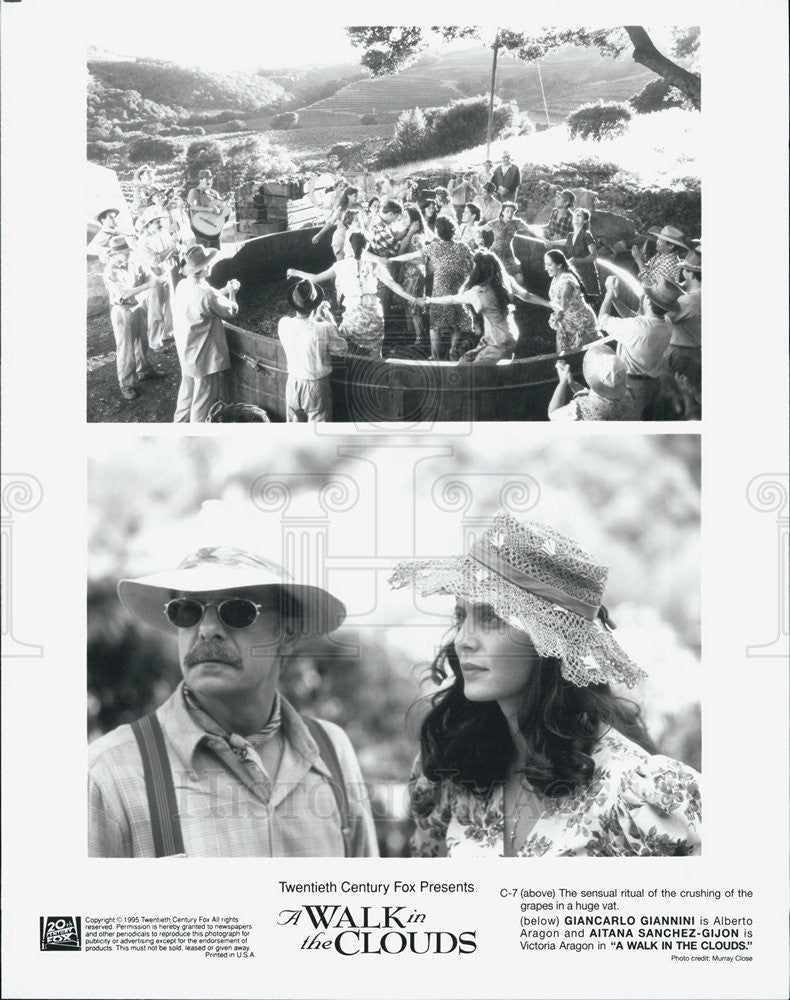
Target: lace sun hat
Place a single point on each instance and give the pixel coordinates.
(541, 582)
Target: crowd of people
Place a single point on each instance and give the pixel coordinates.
(448, 256)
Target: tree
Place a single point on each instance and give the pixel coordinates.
(388, 49)
(203, 154)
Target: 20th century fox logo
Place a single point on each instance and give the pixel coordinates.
(60, 933)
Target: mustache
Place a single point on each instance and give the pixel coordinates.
(212, 649)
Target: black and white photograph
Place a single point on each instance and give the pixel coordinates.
(394, 224)
(519, 678)
(424, 697)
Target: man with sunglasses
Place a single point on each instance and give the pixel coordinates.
(250, 776)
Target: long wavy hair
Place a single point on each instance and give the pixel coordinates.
(415, 215)
(470, 743)
(487, 270)
(564, 264)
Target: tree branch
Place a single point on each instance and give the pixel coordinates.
(648, 55)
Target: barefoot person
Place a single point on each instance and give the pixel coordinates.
(527, 751)
(127, 284)
(198, 311)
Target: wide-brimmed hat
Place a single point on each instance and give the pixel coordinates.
(197, 257)
(671, 234)
(204, 173)
(541, 582)
(664, 293)
(216, 569)
(692, 261)
(604, 372)
(117, 244)
(151, 214)
(304, 296)
(106, 211)
(141, 170)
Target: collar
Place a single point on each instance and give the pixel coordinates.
(185, 735)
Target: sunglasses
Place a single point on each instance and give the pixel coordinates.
(234, 612)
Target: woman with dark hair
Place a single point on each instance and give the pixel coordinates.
(348, 202)
(356, 280)
(526, 750)
(573, 318)
(430, 211)
(582, 251)
(504, 229)
(449, 262)
(412, 275)
(489, 292)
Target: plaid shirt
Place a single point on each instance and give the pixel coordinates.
(383, 241)
(560, 224)
(223, 811)
(667, 265)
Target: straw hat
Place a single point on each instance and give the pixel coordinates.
(141, 170)
(604, 372)
(671, 234)
(540, 582)
(118, 244)
(692, 261)
(151, 214)
(105, 212)
(213, 569)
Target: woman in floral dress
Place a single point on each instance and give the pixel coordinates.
(572, 318)
(356, 284)
(412, 275)
(450, 263)
(527, 751)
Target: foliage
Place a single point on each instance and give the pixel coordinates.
(203, 154)
(386, 49)
(288, 119)
(368, 119)
(100, 152)
(601, 120)
(255, 158)
(236, 125)
(154, 150)
(523, 125)
(445, 130)
(657, 96)
(182, 87)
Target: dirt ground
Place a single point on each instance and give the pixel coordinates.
(156, 402)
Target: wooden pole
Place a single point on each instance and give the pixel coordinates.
(490, 132)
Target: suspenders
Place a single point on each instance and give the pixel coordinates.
(162, 805)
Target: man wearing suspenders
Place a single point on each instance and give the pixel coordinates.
(226, 767)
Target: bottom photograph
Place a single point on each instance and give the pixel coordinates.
(362, 646)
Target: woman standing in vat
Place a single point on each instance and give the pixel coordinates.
(573, 318)
(357, 278)
(504, 229)
(526, 750)
(489, 291)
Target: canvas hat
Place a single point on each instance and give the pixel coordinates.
(216, 568)
(107, 211)
(304, 296)
(692, 261)
(542, 583)
(604, 372)
(197, 257)
(118, 243)
(664, 293)
(141, 170)
(151, 214)
(204, 173)
(671, 234)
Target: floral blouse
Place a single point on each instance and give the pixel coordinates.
(636, 805)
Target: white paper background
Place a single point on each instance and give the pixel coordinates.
(745, 699)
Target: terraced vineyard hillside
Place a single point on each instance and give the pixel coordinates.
(570, 78)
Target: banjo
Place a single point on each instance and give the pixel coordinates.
(206, 220)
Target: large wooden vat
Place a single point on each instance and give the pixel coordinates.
(392, 390)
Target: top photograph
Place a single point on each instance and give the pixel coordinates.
(399, 225)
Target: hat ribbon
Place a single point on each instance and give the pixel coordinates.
(491, 560)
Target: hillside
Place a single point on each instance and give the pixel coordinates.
(571, 77)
